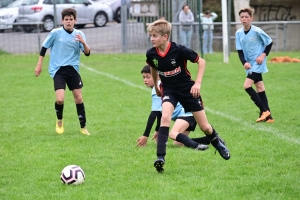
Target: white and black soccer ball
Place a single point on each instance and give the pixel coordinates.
(72, 175)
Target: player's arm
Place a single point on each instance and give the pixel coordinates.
(86, 48)
(243, 60)
(195, 90)
(154, 74)
(38, 68)
(265, 53)
(142, 141)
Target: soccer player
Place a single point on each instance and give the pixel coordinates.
(169, 61)
(66, 43)
(253, 46)
(184, 122)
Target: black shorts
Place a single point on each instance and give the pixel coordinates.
(256, 77)
(67, 75)
(192, 122)
(186, 99)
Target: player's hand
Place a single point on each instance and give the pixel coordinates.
(79, 38)
(142, 141)
(195, 90)
(259, 60)
(154, 137)
(247, 65)
(38, 70)
(158, 92)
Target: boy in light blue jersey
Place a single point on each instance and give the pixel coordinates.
(66, 43)
(253, 45)
(184, 122)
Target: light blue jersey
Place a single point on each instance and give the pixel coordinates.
(65, 50)
(253, 44)
(178, 111)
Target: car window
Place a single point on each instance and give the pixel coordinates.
(15, 4)
(30, 2)
(77, 1)
(5, 3)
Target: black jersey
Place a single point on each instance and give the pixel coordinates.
(172, 65)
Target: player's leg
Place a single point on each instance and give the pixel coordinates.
(59, 81)
(75, 84)
(261, 91)
(163, 134)
(211, 133)
(185, 125)
(250, 80)
(205, 41)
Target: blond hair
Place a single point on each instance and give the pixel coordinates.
(160, 26)
(249, 10)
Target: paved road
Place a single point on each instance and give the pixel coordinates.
(106, 39)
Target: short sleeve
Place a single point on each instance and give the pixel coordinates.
(238, 45)
(48, 42)
(189, 54)
(265, 38)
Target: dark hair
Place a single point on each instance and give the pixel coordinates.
(250, 11)
(146, 69)
(68, 12)
(184, 6)
(207, 12)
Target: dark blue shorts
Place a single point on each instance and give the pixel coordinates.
(67, 75)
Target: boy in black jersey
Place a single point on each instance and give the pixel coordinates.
(169, 61)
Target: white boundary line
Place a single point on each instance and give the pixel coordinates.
(254, 127)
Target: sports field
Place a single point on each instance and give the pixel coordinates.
(265, 158)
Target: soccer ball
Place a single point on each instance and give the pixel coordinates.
(72, 175)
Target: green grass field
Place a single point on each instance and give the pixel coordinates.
(264, 160)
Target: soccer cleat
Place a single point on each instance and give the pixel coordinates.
(269, 119)
(263, 116)
(223, 150)
(221, 140)
(84, 131)
(159, 165)
(59, 127)
(201, 147)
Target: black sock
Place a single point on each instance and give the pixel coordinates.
(188, 142)
(255, 98)
(264, 99)
(162, 140)
(213, 138)
(202, 140)
(59, 110)
(81, 114)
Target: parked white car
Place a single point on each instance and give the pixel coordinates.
(88, 12)
(115, 5)
(9, 14)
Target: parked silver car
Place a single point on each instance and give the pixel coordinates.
(88, 12)
(115, 5)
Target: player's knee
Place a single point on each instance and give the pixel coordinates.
(205, 128)
(173, 135)
(78, 100)
(60, 101)
(165, 119)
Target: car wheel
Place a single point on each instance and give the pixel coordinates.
(100, 19)
(118, 15)
(28, 29)
(48, 24)
(2, 30)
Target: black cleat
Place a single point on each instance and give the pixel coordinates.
(159, 165)
(201, 147)
(222, 149)
(221, 140)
